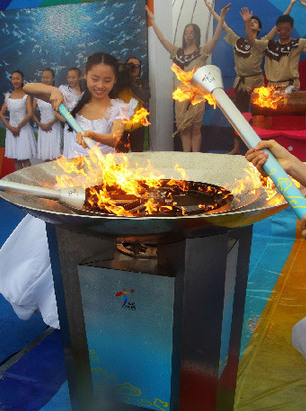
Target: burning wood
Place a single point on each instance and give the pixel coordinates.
(171, 198)
(269, 97)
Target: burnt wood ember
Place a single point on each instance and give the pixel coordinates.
(291, 104)
(171, 198)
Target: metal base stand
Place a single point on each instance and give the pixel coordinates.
(206, 277)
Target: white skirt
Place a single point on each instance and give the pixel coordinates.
(49, 142)
(25, 272)
(22, 147)
(69, 140)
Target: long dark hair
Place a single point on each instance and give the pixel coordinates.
(197, 35)
(93, 60)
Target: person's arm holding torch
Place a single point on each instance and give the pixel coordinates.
(291, 164)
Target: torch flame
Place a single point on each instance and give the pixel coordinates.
(138, 118)
(187, 91)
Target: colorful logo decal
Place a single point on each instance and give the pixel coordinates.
(126, 303)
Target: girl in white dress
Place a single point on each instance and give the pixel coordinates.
(20, 142)
(26, 278)
(72, 93)
(49, 138)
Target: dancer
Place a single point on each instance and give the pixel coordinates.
(282, 56)
(20, 143)
(190, 55)
(25, 272)
(72, 93)
(297, 169)
(49, 127)
(138, 88)
(248, 61)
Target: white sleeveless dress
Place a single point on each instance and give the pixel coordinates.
(25, 271)
(48, 142)
(117, 110)
(22, 147)
(71, 98)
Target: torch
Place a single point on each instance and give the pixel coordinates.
(209, 79)
(73, 197)
(75, 126)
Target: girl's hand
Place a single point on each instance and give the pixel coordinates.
(80, 140)
(88, 133)
(246, 14)
(15, 131)
(45, 127)
(150, 14)
(303, 2)
(303, 226)
(56, 98)
(258, 157)
(225, 10)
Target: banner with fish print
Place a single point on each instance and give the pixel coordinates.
(21, 4)
(63, 36)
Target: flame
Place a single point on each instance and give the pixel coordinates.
(138, 118)
(101, 176)
(188, 91)
(253, 181)
(269, 97)
(119, 189)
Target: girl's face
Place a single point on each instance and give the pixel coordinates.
(73, 78)
(47, 78)
(17, 80)
(100, 80)
(189, 35)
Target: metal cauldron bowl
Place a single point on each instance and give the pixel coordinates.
(218, 169)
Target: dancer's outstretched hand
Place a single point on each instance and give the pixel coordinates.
(225, 10)
(246, 14)
(150, 14)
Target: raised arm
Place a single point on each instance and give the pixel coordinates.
(210, 45)
(166, 43)
(215, 14)
(246, 17)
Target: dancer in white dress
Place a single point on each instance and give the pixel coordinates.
(72, 93)
(20, 142)
(25, 277)
(49, 127)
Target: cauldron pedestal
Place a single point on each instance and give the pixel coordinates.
(159, 333)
